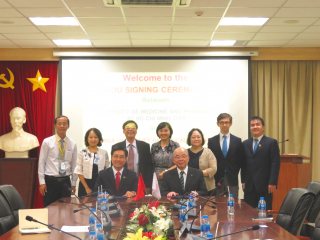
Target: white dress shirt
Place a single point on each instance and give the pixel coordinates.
(49, 158)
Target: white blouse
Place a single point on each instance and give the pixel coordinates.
(86, 159)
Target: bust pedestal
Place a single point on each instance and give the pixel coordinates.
(21, 173)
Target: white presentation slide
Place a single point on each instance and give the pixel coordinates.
(187, 93)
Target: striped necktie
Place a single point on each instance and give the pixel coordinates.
(181, 180)
(130, 163)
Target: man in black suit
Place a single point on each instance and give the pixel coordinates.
(118, 180)
(142, 162)
(262, 164)
(183, 179)
(228, 150)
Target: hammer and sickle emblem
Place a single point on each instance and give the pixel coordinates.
(7, 83)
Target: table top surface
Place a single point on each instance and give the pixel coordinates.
(61, 214)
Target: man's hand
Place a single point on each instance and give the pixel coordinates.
(172, 194)
(88, 191)
(43, 189)
(160, 176)
(194, 193)
(130, 194)
(73, 190)
(272, 188)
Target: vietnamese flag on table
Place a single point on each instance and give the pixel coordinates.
(141, 189)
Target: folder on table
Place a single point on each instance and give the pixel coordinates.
(40, 214)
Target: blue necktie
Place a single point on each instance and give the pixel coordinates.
(256, 144)
(224, 146)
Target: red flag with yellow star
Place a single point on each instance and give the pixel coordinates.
(30, 85)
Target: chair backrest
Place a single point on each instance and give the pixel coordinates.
(6, 218)
(315, 208)
(316, 231)
(294, 209)
(14, 200)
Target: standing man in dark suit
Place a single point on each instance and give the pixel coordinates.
(118, 180)
(139, 156)
(228, 150)
(262, 164)
(183, 179)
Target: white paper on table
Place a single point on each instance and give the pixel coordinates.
(75, 229)
(263, 226)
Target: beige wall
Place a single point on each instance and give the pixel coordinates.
(263, 54)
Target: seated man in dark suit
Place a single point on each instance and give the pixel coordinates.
(182, 180)
(118, 180)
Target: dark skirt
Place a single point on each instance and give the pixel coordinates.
(90, 182)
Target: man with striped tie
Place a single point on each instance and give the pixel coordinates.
(183, 180)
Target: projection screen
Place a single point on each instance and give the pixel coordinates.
(186, 92)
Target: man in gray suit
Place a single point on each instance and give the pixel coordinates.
(262, 164)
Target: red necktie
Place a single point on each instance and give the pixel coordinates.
(118, 174)
(130, 163)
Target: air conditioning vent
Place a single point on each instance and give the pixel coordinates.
(118, 3)
(147, 2)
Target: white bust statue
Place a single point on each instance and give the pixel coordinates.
(17, 143)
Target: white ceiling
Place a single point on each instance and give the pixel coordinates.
(292, 23)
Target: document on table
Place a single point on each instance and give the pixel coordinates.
(75, 229)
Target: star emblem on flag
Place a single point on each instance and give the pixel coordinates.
(38, 82)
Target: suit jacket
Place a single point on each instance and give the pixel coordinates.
(144, 160)
(262, 167)
(106, 178)
(194, 182)
(232, 163)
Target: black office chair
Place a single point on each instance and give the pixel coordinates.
(316, 231)
(315, 208)
(308, 226)
(6, 218)
(294, 209)
(14, 200)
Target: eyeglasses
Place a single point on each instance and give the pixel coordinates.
(224, 122)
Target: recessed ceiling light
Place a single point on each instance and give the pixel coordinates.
(291, 21)
(6, 22)
(242, 21)
(54, 21)
(222, 43)
(72, 42)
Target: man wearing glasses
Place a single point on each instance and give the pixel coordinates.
(139, 156)
(228, 150)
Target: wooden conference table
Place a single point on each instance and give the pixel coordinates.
(61, 213)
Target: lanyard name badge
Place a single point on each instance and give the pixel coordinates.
(61, 160)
